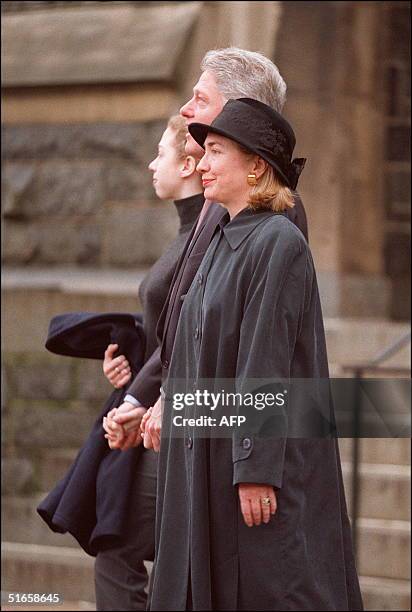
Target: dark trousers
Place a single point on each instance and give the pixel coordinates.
(120, 574)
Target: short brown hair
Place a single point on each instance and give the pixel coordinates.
(178, 125)
(271, 192)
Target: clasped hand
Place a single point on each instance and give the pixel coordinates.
(128, 426)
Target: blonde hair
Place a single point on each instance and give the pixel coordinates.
(271, 192)
(178, 125)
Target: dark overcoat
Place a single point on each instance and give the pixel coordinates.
(92, 500)
(145, 386)
(82, 503)
(252, 312)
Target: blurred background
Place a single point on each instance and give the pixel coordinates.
(86, 92)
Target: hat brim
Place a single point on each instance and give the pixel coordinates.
(88, 334)
(200, 131)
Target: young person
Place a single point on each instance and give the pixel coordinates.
(113, 515)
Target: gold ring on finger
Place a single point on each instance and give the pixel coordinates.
(266, 501)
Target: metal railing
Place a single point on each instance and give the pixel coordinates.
(374, 366)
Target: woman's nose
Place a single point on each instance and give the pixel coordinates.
(151, 166)
(202, 165)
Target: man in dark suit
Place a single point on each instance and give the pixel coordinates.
(226, 73)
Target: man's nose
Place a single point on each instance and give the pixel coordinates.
(151, 165)
(187, 109)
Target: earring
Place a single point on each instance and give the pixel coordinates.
(251, 180)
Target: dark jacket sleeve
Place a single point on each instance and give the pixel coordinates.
(146, 385)
(272, 316)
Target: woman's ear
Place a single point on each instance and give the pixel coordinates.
(188, 166)
(259, 166)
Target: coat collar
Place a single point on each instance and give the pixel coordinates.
(239, 228)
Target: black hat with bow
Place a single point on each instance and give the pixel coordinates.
(261, 130)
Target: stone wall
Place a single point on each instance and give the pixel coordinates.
(397, 67)
(81, 128)
(82, 194)
(78, 205)
(49, 403)
(336, 58)
(33, 5)
(75, 181)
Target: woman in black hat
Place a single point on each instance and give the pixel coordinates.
(247, 521)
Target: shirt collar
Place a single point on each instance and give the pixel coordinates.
(189, 208)
(241, 226)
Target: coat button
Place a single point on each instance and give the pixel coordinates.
(189, 442)
(197, 333)
(165, 364)
(246, 443)
(200, 279)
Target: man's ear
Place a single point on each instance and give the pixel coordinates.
(259, 166)
(188, 166)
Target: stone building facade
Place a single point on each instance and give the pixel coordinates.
(87, 90)
(84, 106)
(397, 176)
